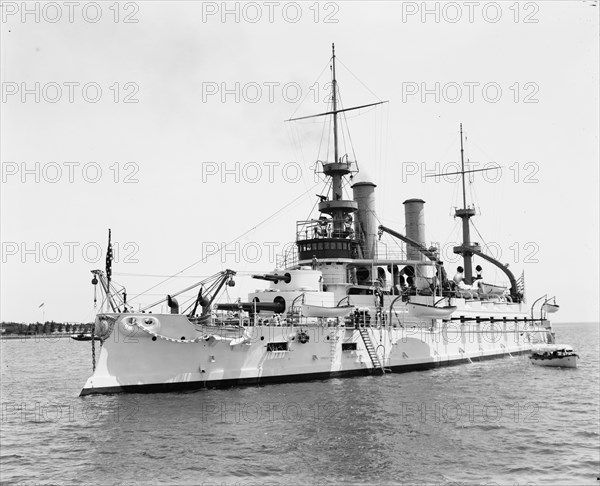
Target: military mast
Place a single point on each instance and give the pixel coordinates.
(465, 213)
(337, 241)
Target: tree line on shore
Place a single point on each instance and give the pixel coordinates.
(48, 327)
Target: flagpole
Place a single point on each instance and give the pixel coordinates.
(109, 303)
(109, 260)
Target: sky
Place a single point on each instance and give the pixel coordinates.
(164, 121)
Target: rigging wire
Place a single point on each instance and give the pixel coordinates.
(488, 250)
(204, 258)
(355, 77)
(500, 189)
(308, 91)
(345, 124)
(349, 138)
(296, 139)
(321, 145)
(475, 197)
(471, 176)
(329, 132)
(384, 152)
(455, 202)
(298, 150)
(305, 180)
(119, 274)
(478, 233)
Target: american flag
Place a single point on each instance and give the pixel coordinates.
(521, 283)
(109, 257)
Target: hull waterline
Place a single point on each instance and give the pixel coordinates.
(134, 359)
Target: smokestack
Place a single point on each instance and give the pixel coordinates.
(414, 215)
(365, 222)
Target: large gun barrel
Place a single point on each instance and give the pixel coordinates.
(273, 277)
(276, 307)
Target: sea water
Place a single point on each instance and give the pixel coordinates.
(491, 422)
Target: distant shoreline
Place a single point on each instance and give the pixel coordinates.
(35, 336)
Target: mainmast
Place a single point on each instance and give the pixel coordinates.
(465, 214)
(468, 249)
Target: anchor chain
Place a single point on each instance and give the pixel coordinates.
(93, 348)
(94, 283)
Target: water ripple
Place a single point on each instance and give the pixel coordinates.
(501, 421)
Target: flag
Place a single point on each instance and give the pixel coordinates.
(41, 305)
(109, 257)
(521, 283)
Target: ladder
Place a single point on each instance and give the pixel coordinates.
(364, 333)
(333, 347)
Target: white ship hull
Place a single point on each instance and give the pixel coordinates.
(177, 355)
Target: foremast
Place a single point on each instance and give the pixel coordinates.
(337, 207)
(338, 236)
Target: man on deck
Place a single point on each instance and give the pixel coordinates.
(459, 277)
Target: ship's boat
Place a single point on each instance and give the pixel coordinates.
(424, 311)
(491, 289)
(550, 308)
(84, 337)
(554, 355)
(341, 302)
(321, 311)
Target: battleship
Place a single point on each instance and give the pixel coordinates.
(339, 303)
